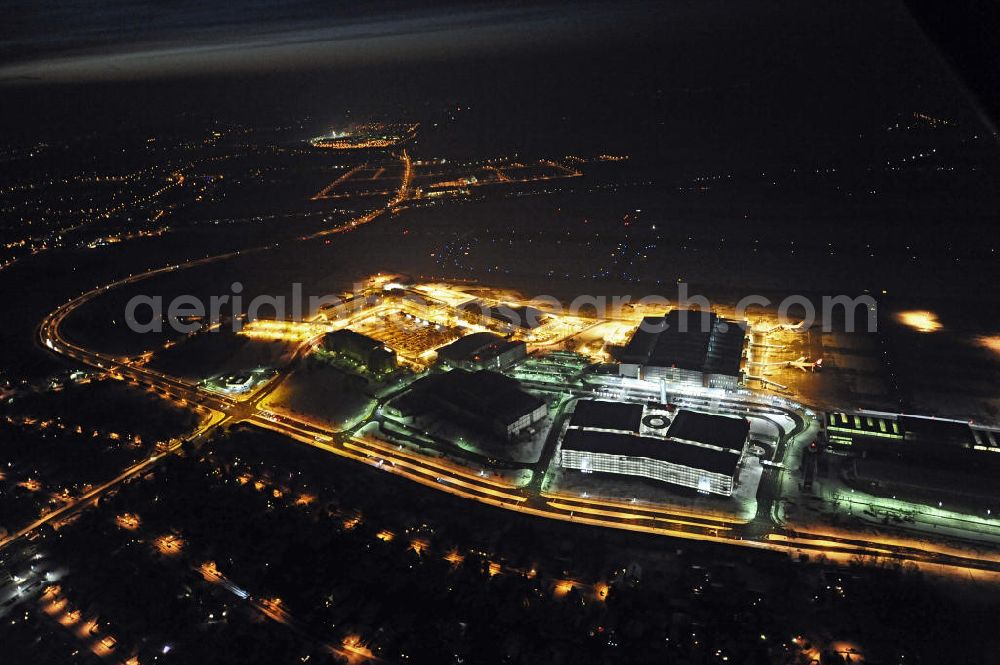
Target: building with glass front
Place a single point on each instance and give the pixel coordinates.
(700, 451)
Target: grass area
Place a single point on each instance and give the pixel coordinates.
(322, 392)
(212, 353)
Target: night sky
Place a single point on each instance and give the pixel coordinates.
(718, 83)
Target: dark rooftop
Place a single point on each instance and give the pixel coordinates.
(463, 347)
(474, 346)
(710, 429)
(528, 318)
(345, 338)
(484, 395)
(687, 339)
(937, 432)
(623, 416)
(675, 452)
(643, 339)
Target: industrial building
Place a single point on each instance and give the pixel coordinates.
(698, 450)
(685, 346)
(940, 442)
(482, 350)
(919, 459)
(506, 318)
(371, 354)
(482, 400)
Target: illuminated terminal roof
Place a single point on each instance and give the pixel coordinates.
(708, 429)
(664, 450)
(476, 347)
(522, 317)
(603, 415)
(700, 341)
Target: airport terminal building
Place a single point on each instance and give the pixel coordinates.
(482, 350)
(696, 450)
(507, 319)
(360, 349)
(688, 347)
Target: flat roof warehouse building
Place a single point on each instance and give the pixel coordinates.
(933, 442)
(483, 399)
(933, 461)
(700, 451)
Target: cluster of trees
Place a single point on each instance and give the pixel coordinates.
(107, 406)
(338, 549)
(74, 438)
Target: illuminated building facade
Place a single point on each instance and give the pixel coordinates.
(237, 383)
(706, 470)
(700, 451)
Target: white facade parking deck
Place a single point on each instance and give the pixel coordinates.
(699, 479)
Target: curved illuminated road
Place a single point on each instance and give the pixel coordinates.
(462, 481)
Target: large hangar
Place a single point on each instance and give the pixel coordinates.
(685, 346)
(484, 400)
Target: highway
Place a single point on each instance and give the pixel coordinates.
(483, 485)
(222, 409)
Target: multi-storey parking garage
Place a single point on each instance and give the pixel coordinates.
(704, 469)
(696, 450)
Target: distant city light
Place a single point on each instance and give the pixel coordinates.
(920, 320)
(990, 342)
